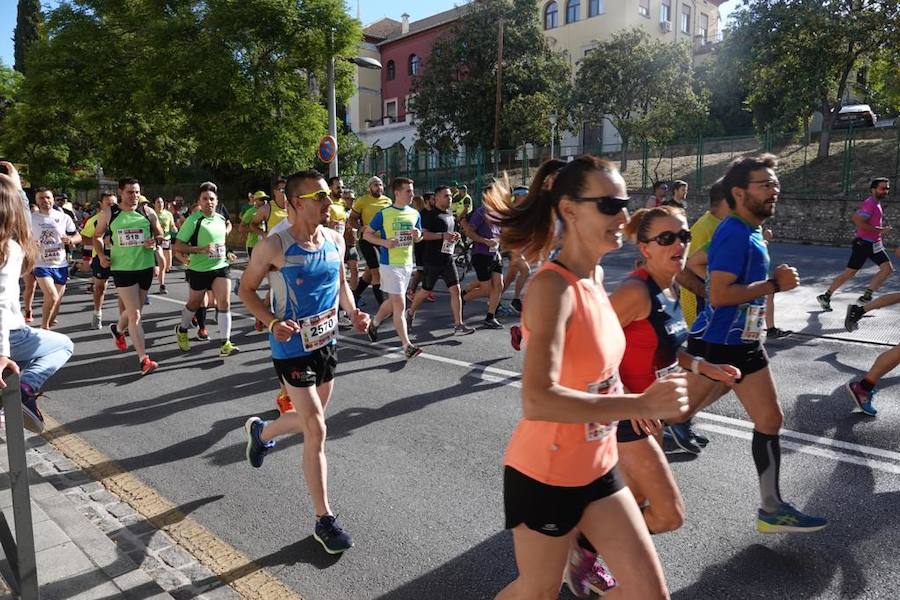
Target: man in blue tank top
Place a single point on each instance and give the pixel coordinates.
(304, 265)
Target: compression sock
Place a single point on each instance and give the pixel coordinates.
(379, 295)
(767, 456)
(865, 384)
(360, 288)
(186, 316)
(225, 325)
(201, 317)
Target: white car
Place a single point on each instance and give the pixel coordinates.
(859, 115)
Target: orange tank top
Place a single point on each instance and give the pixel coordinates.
(568, 454)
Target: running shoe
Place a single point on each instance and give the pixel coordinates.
(585, 574)
(463, 329)
(33, 419)
(256, 448)
(333, 539)
(28, 317)
(184, 342)
(118, 338)
(163, 290)
(492, 324)
(864, 299)
(227, 349)
(516, 304)
(203, 333)
(344, 323)
(773, 333)
(147, 301)
(701, 440)
(96, 321)
(505, 311)
(855, 312)
(148, 366)
(372, 331)
(412, 352)
(515, 337)
(864, 400)
(683, 438)
(788, 519)
(284, 404)
(825, 302)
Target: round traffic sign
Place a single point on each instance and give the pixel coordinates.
(327, 149)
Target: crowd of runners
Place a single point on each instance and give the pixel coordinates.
(606, 377)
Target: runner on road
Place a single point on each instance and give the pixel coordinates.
(483, 229)
(167, 223)
(868, 245)
(364, 210)
(560, 465)
(99, 273)
(54, 231)
(305, 271)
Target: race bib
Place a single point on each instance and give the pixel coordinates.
(594, 432)
(448, 246)
(50, 255)
(130, 237)
(404, 238)
(673, 368)
(216, 251)
(754, 323)
(318, 330)
(877, 247)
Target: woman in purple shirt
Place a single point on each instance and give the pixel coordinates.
(484, 230)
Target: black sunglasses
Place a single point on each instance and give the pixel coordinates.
(607, 205)
(667, 238)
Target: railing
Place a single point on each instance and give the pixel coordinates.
(19, 569)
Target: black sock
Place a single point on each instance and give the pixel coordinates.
(585, 543)
(379, 296)
(864, 384)
(201, 317)
(827, 295)
(360, 288)
(489, 316)
(767, 456)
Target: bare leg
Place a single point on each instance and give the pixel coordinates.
(884, 271)
(496, 288)
(456, 304)
(133, 297)
(398, 302)
(540, 560)
(841, 280)
(885, 363)
(51, 297)
(647, 473)
(28, 292)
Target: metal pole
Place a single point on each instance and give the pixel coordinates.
(332, 106)
(497, 103)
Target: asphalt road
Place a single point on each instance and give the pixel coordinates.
(415, 453)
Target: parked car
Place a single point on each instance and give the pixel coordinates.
(859, 115)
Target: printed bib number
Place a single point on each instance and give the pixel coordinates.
(404, 238)
(877, 247)
(318, 330)
(754, 323)
(53, 254)
(448, 246)
(130, 237)
(594, 432)
(673, 368)
(216, 251)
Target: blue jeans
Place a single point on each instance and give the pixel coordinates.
(39, 354)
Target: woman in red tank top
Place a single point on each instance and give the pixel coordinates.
(560, 466)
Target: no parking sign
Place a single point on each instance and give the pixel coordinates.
(327, 149)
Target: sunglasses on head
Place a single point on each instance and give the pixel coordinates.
(667, 238)
(607, 205)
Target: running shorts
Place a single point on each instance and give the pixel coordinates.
(203, 280)
(863, 250)
(97, 269)
(486, 265)
(749, 358)
(625, 432)
(369, 254)
(434, 272)
(142, 278)
(350, 254)
(306, 371)
(395, 280)
(59, 275)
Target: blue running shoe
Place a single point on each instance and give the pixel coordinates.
(788, 519)
(328, 533)
(256, 448)
(864, 400)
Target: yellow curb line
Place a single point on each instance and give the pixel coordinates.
(237, 570)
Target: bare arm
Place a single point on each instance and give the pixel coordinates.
(372, 236)
(261, 215)
(631, 302)
(99, 232)
(691, 282)
(261, 261)
(723, 291)
(861, 222)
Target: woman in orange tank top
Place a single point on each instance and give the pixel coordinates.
(560, 467)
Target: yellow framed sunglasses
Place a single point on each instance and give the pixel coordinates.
(318, 195)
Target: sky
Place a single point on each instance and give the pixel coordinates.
(369, 10)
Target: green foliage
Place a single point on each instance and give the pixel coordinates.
(725, 76)
(455, 96)
(642, 86)
(885, 81)
(27, 31)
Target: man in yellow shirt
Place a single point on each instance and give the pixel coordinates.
(701, 234)
(99, 273)
(364, 209)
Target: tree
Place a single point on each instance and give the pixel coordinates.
(885, 81)
(804, 52)
(454, 97)
(27, 31)
(642, 86)
(725, 76)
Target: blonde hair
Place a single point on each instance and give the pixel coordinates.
(14, 225)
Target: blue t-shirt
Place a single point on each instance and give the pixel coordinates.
(737, 248)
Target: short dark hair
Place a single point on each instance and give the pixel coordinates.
(678, 184)
(293, 182)
(41, 190)
(716, 193)
(738, 174)
(658, 184)
(207, 186)
(331, 180)
(128, 181)
(878, 181)
(399, 182)
(440, 188)
(105, 195)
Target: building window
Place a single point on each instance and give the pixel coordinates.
(644, 8)
(573, 8)
(414, 64)
(685, 19)
(704, 27)
(665, 11)
(551, 16)
(390, 108)
(391, 71)
(595, 7)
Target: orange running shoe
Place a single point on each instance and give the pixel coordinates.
(283, 401)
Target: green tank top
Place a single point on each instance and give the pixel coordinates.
(129, 229)
(200, 230)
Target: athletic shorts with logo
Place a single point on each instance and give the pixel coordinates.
(316, 368)
(863, 250)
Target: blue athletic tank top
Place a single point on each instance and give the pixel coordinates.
(306, 290)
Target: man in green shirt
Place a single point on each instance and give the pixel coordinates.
(202, 238)
(133, 232)
(256, 201)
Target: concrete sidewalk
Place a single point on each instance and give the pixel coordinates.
(75, 560)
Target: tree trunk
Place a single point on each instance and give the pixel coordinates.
(825, 137)
(623, 162)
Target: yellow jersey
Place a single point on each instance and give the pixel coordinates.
(276, 215)
(701, 235)
(368, 206)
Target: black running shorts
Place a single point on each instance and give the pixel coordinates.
(434, 272)
(98, 271)
(306, 371)
(749, 358)
(142, 278)
(200, 281)
(863, 250)
(550, 509)
(369, 254)
(626, 433)
(486, 265)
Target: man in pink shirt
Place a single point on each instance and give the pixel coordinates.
(867, 245)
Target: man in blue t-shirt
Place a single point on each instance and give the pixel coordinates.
(732, 326)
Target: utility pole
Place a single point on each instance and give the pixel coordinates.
(332, 106)
(497, 103)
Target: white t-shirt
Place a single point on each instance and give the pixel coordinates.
(281, 226)
(48, 231)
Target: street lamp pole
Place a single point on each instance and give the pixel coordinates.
(553, 135)
(332, 107)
